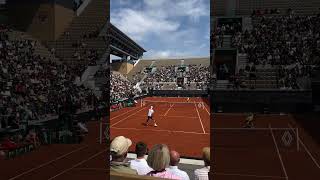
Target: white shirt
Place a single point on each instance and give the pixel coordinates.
(174, 170)
(141, 166)
(202, 174)
(150, 112)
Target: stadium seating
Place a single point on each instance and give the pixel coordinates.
(88, 24)
(246, 7)
(275, 63)
(162, 73)
(34, 85)
(121, 88)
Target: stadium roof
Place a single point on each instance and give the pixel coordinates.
(123, 46)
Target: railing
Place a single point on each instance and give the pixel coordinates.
(122, 176)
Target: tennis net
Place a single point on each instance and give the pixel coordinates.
(256, 138)
(167, 104)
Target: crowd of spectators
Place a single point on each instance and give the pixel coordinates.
(120, 87)
(162, 162)
(82, 52)
(34, 87)
(198, 73)
(162, 74)
(9, 143)
(165, 77)
(289, 41)
(228, 28)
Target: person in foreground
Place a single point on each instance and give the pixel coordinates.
(119, 149)
(173, 168)
(140, 164)
(158, 160)
(202, 174)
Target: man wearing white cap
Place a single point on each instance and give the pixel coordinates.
(119, 148)
(150, 117)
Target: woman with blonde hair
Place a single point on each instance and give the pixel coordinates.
(158, 160)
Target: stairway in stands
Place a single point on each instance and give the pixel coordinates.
(227, 39)
(247, 23)
(266, 75)
(266, 78)
(92, 80)
(93, 18)
(242, 60)
(222, 84)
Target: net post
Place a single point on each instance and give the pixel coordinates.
(298, 140)
(100, 133)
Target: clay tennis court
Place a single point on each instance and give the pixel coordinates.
(183, 126)
(60, 161)
(263, 153)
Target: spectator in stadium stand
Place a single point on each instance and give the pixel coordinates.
(119, 149)
(202, 174)
(82, 126)
(28, 91)
(173, 168)
(140, 164)
(8, 144)
(33, 138)
(2, 153)
(158, 160)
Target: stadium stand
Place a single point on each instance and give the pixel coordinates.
(262, 63)
(162, 74)
(38, 77)
(34, 86)
(81, 41)
(121, 88)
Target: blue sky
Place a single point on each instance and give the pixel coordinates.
(165, 28)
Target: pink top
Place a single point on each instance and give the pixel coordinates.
(164, 174)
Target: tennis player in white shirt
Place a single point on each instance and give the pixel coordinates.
(150, 117)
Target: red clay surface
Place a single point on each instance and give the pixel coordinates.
(265, 156)
(183, 127)
(60, 161)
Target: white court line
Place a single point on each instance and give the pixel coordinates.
(305, 147)
(200, 119)
(206, 109)
(250, 175)
(173, 116)
(244, 114)
(47, 163)
(91, 157)
(96, 169)
(168, 110)
(279, 155)
(125, 113)
(127, 117)
(160, 130)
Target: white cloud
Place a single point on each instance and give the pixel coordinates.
(124, 2)
(171, 8)
(138, 25)
(165, 54)
(164, 23)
